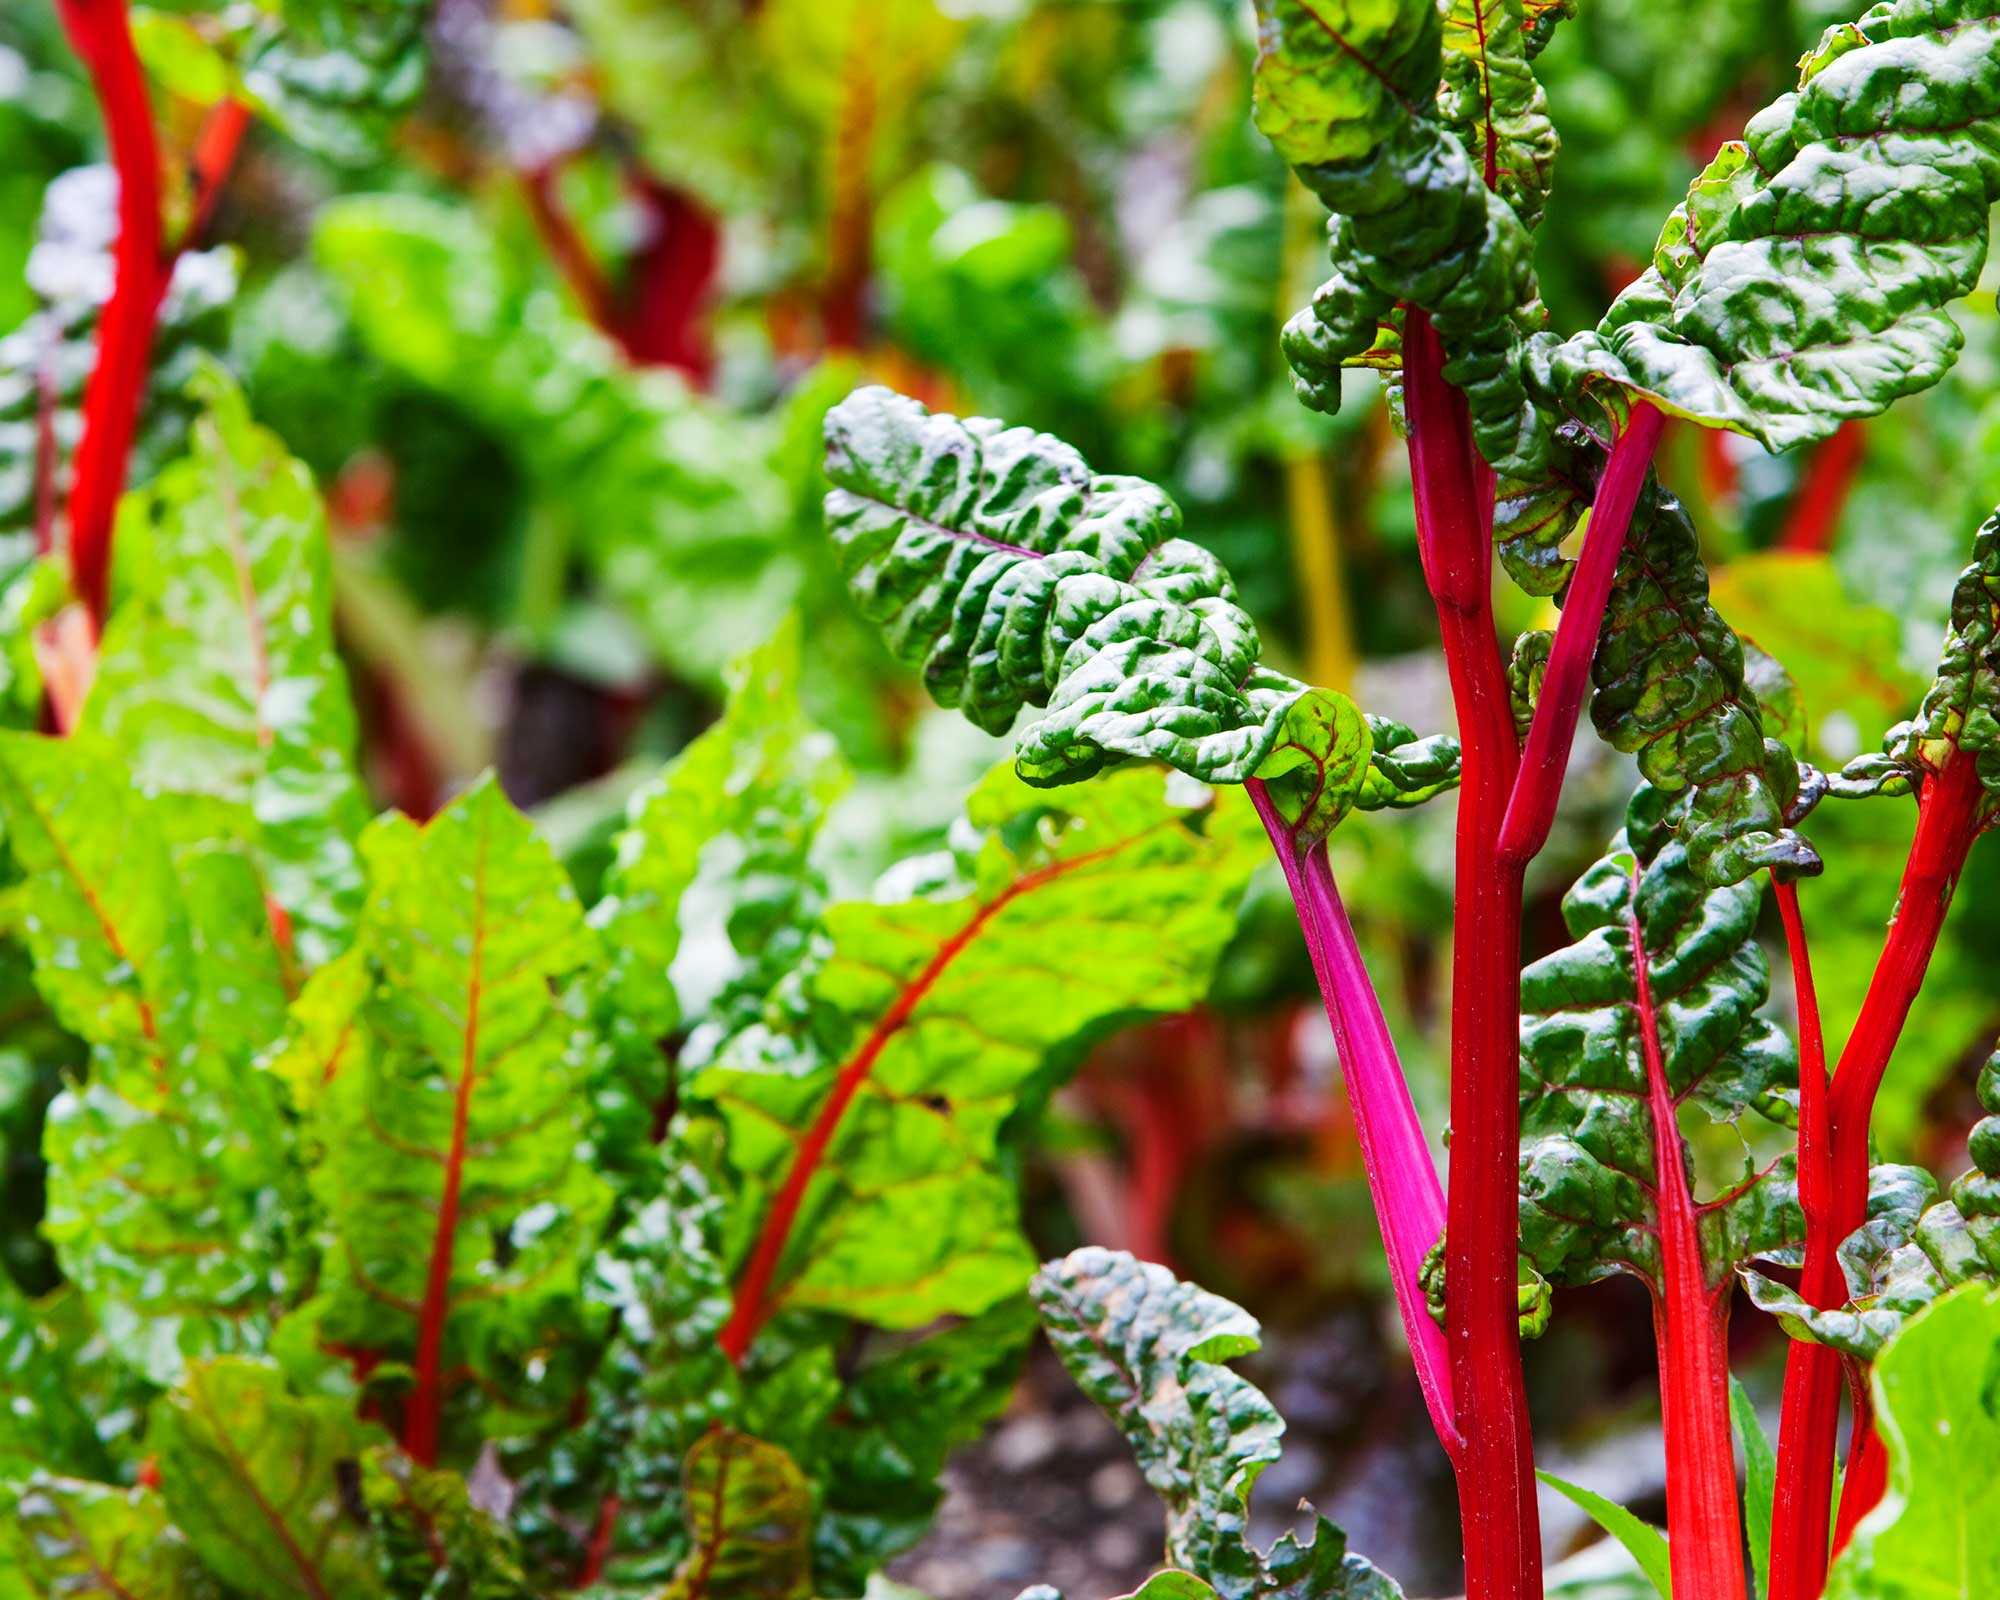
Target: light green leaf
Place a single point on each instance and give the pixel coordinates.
(698, 94)
(168, 1166)
(748, 1511)
(935, 1016)
(670, 500)
(1646, 1543)
(454, 1173)
(178, 58)
(1838, 651)
(218, 679)
(1936, 1533)
(251, 1476)
(63, 1537)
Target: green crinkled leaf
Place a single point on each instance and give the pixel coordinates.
(168, 1166)
(748, 1512)
(998, 564)
(1591, 1156)
(1491, 98)
(1539, 19)
(1936, 1533)
(252, 1477)
(1805, 279)
(218, 679)
(430, 1541)
(62, 1536)
(1348, 93)
(1913, 1248)
(1526, 669)
(934, 1017)
(1961, 710)
(1670, 689)
(323, 1033)
(1404, 770)
(70, 274)
(995, 561)
(1147, 1349)
(469, 1083)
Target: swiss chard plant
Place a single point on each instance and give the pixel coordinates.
(1805, 281)
(397, 1171)
(428, 1212)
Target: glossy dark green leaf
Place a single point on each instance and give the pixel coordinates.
(760, 777)
(697, 93)
(1404, 770)
(430, 1542)
(1914, 1247)
(1348, 93)
(998, 564)
(871, 1434)
(252, 1476)
(1670, 689)
(1592, 1159)
(1805, 279)
(1147, 1348)
(65, 1404)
